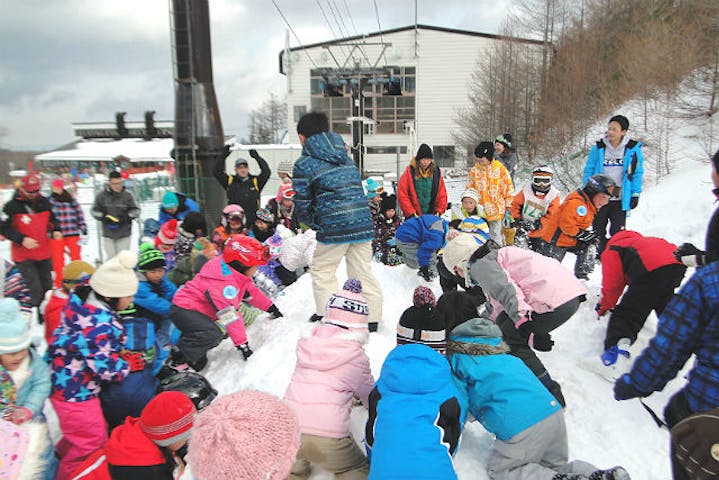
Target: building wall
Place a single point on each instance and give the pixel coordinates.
(444, 61)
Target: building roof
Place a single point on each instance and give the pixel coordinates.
(136, 149)
(402, 29)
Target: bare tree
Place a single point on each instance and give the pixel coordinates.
(268, 123)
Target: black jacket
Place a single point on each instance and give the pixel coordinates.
(244, 192)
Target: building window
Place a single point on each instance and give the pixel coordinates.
(443, 155)
(389, 112)
(298, 111)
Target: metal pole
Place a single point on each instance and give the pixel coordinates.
(397, 151)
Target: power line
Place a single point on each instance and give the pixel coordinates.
(332, 30)
(293, 33)
(376, 12)
(356, 32)
(349, 14)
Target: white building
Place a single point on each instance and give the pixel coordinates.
(434, 66)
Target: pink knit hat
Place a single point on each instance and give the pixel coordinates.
(285, 191)
(245, 436)
(348, 308)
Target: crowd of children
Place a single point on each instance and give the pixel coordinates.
(126, 340)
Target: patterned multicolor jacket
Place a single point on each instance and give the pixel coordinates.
(68, 214)
(85, 350)
(688, 326)
(494, 186)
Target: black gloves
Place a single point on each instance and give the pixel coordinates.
(274, 312)
(245, 350)
(540, 341)
(425, 273)
(623, 389)
(586, 236)
(527, 225)
(633, 202)
(690, 255)
(254, 154)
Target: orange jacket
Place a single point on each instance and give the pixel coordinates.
(561, 225)
(494, 186)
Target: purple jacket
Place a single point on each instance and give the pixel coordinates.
(331, 368)
(217, 286)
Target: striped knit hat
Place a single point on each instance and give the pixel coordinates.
(168, 418)
(421, 323)
(477, 226)
(348, 308)
(150, 258)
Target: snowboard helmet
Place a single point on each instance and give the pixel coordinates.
(232, 211)
(600, 183)
(241, 252)
(194, 385)
(542, 178)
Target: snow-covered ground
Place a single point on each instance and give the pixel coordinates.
(601, 430)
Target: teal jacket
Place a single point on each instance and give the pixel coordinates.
(503, 394)
(36, 388)
(633, 168)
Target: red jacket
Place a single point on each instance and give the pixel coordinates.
(627, 257)
(52, 311)
(28, 218)
(407, 196)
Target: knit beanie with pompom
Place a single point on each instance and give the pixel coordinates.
(14, 329)
(348, 308)
(116, 277)
(244, 436)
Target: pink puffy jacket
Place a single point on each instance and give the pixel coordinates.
(330, 370)
(520, 281)
(217, 286)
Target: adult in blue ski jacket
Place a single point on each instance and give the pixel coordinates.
(329, 199)
(415, 416)
(621, 158)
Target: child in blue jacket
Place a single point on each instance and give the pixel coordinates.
(509, 401)
(419, 239)
(154, 297)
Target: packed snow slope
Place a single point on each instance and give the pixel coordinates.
(601, 430)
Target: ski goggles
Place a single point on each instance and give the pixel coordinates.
(542, 181)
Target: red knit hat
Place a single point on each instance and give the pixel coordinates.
(168, 418)
(168, 232)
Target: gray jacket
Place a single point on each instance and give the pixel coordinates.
(120, 205)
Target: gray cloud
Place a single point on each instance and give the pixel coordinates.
(82, 60)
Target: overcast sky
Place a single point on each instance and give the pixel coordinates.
(82, 60)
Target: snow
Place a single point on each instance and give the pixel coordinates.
(601, 430)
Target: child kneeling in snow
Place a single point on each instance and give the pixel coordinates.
(25, 450)
(205, 308)
(86, 351)
(415, 393)
(509, 401)
(332, 367)
(419, 239)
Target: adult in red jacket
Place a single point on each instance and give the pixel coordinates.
(27, 221)
(420, 189)
(648, 266)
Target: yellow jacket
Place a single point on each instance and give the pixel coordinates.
(494, 186)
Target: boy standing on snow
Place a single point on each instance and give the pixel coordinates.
(621, 158)
(533, 202)
(331, 201)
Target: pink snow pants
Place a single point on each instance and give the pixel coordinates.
(83, 432)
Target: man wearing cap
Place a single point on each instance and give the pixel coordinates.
(27, 220)
(116, 208)
(243, 188)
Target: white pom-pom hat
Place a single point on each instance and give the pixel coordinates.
(116, 277)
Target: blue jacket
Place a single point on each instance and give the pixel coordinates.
(186, 206)
(329, 196)
(85, 350)
(428, 231)
(155, 299)
(415, 416)
(504, 395)
(36, 388)
(633, 168)
(689, 325)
